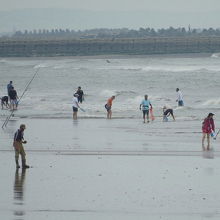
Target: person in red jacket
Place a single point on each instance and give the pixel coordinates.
(208, 126)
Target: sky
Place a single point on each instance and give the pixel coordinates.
(127, 5)
(88, 14)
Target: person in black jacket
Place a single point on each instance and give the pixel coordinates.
(80, 95)
(18, 146)
(4, 101)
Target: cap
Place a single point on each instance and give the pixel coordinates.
(22, 126)
(210, 114)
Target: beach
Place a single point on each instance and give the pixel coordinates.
(95, 168)
(109, 169)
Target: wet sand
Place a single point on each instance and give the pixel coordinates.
(102, 169)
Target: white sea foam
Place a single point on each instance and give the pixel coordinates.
(42, 65)
(157, 68)
(212, 102)
(59, 67)
(107, 93)
(3, 61)
(51, 91)
(215, 55)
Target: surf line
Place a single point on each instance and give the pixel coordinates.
(26, 88)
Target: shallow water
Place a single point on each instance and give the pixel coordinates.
(95, 168)
(129, 78)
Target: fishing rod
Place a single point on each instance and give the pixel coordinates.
(26, 88)
(216, 134)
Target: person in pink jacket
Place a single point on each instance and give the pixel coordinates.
(208, 126)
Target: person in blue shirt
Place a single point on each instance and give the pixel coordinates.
(145, 106)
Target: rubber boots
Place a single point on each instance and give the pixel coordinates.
(17, 164)
(24, 165)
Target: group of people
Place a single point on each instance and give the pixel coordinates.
(208, 127)
(147, 107)
(11, 100)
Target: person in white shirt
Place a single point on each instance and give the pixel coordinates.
(75, 106)
(179, 97)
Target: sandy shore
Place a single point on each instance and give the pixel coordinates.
(102, 169)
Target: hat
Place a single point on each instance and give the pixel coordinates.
(210, 114)
(22, 126)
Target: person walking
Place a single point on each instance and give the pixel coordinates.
(80, 95)
(75, 106)
(208, 127)
(179, 97)
(18, 147)
(145, 106)
(108, 107)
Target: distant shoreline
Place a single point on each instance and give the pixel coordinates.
(96, 47)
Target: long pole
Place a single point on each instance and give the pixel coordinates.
(12, 112)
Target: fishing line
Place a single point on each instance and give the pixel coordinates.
(26, 88)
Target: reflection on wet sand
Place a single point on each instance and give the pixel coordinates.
(208, 154)
(19, 194)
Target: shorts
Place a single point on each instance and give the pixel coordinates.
(75, 109)
(108, 108)
(168, 111)
(207, 131)
(14, 101)
(180, 103)
(145, 112)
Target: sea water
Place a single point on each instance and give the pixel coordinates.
(129, 78)
(75, 162)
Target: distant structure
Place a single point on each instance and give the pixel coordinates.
(189, 28)
(103, 41)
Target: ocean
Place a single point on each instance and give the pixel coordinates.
(129, 78)
(94, 168)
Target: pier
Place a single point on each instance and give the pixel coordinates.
(84, 47)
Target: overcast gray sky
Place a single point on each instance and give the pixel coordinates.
(161, 5)
(88, 14)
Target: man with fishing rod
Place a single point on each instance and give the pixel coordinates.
(18, 146)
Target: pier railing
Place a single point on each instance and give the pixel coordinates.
(79, 47)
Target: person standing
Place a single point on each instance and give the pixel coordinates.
(179, 97)
(18, 147)
(167, 111)
(80, 95)
(108, 107)
(9, 87)
(145, 106)
(13, 99)
(208, 126)
(75, 106)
